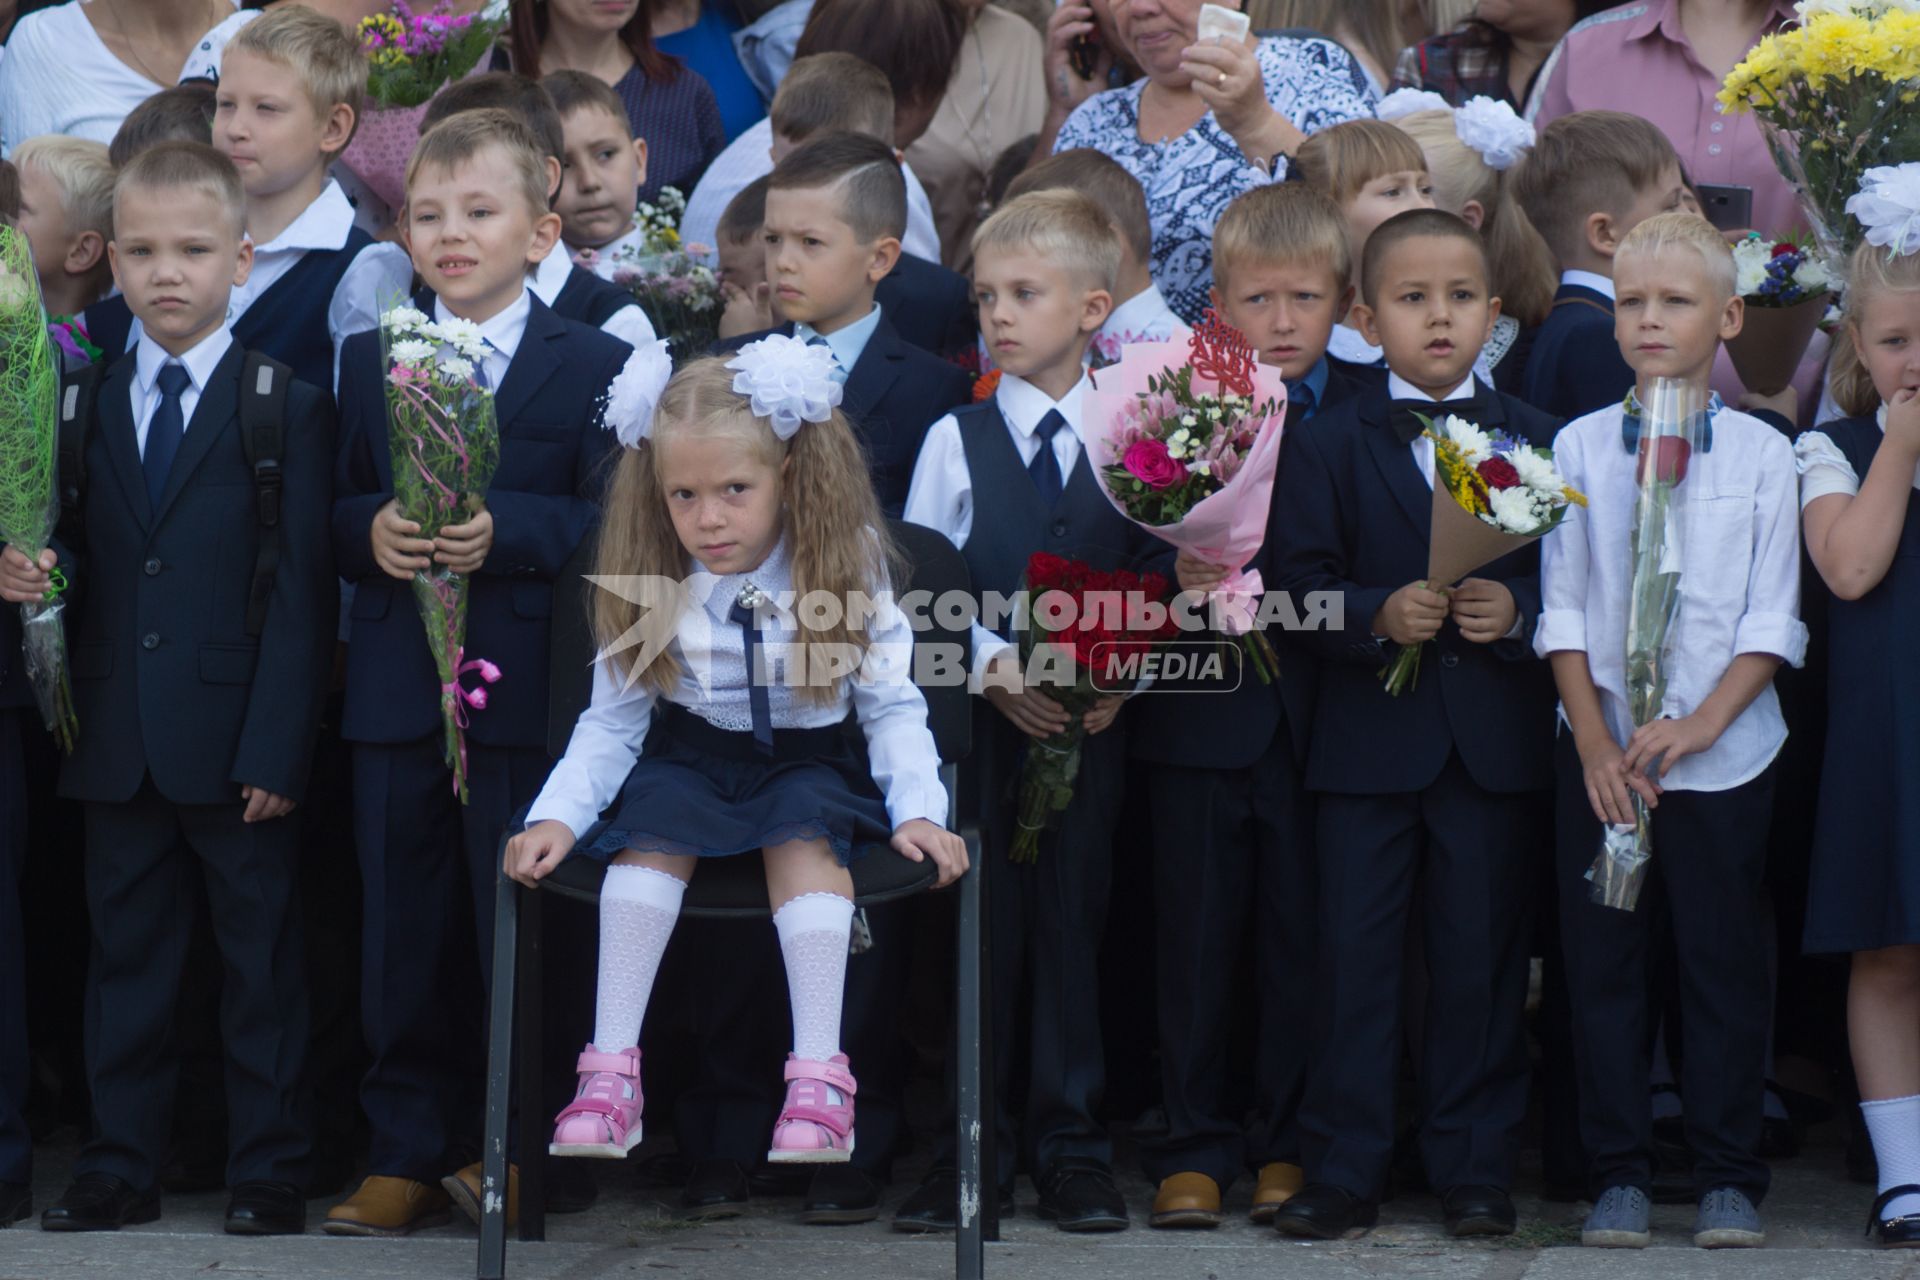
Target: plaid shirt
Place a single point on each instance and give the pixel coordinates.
(1468, 61)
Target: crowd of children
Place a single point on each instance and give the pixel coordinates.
(1341, 879)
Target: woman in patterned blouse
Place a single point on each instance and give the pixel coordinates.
(1205, 123)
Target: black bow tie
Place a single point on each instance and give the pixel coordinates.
(1407, 427)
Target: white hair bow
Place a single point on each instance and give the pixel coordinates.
(787, 380)
(1495, 130)
(1887, 206)
(1405, 102)
(635, 393)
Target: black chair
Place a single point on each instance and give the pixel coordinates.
(736, 888)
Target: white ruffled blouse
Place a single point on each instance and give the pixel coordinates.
(1824, 469)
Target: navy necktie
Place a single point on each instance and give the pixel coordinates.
(164, 432)
(1045, 467)
(839, 374)
(757, 698)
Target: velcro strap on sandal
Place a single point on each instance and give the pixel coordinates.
(826, 1072)
(589, 1107)
(620, 1064)
(833, 1120)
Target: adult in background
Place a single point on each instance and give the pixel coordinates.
(701, 34)
(1368, 29)
(668, 104)
(996, 96)
(1496, 53)
(80, 68)
(1205, 123)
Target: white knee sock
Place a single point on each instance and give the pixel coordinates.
(1895, 1128)
(638, 906)
(814, 931)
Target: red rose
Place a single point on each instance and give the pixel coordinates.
(1498, 473)
(1046, 571)
(1149, 462)
(1784, 248)
(1668, 455)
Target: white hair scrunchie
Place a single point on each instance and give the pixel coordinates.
(1887, 206)
(787, 381)
(1405, 102)
(1492, 128)
(635, 393)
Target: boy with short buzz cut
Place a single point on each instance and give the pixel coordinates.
(836, 207)
(477, 222)
(1589, 180)
(1425, 800)
(572, 291)
(1140, 310)
(66, 213)
(291, 87)
(196, 714)
(1706, 767)
(180, 113)
(742, 264)
(602, 170)
(1003, 479)
(1233, 823)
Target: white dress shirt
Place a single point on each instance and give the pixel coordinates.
(941, 495)
(749, 157)
(714, 685)
(1145, 317)
(1824, 469)
(149, 358)
(1398, 388)
(1739, 540)
(378, 277)
(1588, 280)
(502, 333)
(607, 258)
(629, 323)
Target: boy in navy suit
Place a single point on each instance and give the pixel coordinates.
(16, 1143)
(1430, 790)
(571, 291)
(836, 209)
(1591, 178)
(290, 92)
(196, 715)
(476, 223)
(1233, 824)
(1004, 479)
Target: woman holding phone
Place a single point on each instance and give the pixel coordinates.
(1216, 112)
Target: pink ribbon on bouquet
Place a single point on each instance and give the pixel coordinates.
(1236, 600)
(464, 697)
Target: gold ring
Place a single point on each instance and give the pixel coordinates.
(1223, 78)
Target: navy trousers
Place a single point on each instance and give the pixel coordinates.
(16, 1144)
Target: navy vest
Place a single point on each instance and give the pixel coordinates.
(287, 322)
(589, 299)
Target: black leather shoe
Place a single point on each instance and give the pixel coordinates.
(1079, 1195)
(935, 1203)
(1321, 1211)
(266, 1209)
(1478, 1211)
(1894, 1233)
(16, 1203)
(101, 1202)
(840, 1193)
(715, 1189)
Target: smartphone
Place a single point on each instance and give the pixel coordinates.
(1083, 55)
(1728, 208)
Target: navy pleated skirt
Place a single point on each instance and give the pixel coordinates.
(698, 791)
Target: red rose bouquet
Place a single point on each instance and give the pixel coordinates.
(1084, 634)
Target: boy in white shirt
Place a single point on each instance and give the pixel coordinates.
(1705, 767)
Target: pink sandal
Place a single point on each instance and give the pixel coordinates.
(813, 1128)
(604, 1117)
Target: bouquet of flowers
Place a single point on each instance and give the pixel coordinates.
(674, 283)
(1492, 495)
(444, 443)
(1672, 426)
(29, 453)
(412, 56)
(1786, 286)
(1189, 451)
(1834, 95)
(1085, 634)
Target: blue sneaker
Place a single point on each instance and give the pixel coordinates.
(1619, 1220)
(1728, 1220)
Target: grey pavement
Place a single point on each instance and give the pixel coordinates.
(1814, 1219)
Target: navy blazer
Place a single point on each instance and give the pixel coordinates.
(554, 456)
(1575, 366)
(166, 680)
(894, 393)
(931, 307)
(1355, 518)
(14, 689)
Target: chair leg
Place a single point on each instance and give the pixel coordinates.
(531, 1027)
(493, 1172)
(979, 1186)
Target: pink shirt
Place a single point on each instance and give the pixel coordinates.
(1636, 59)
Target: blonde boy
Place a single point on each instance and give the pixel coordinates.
(66, 213)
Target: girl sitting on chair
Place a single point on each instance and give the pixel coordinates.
(749, 485)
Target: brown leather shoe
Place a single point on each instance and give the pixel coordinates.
(1278, 1184)
(1187, 1200)
(463, 1188)
(385, 1206)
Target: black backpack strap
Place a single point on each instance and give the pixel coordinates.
(263, 416)
(79, 392)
